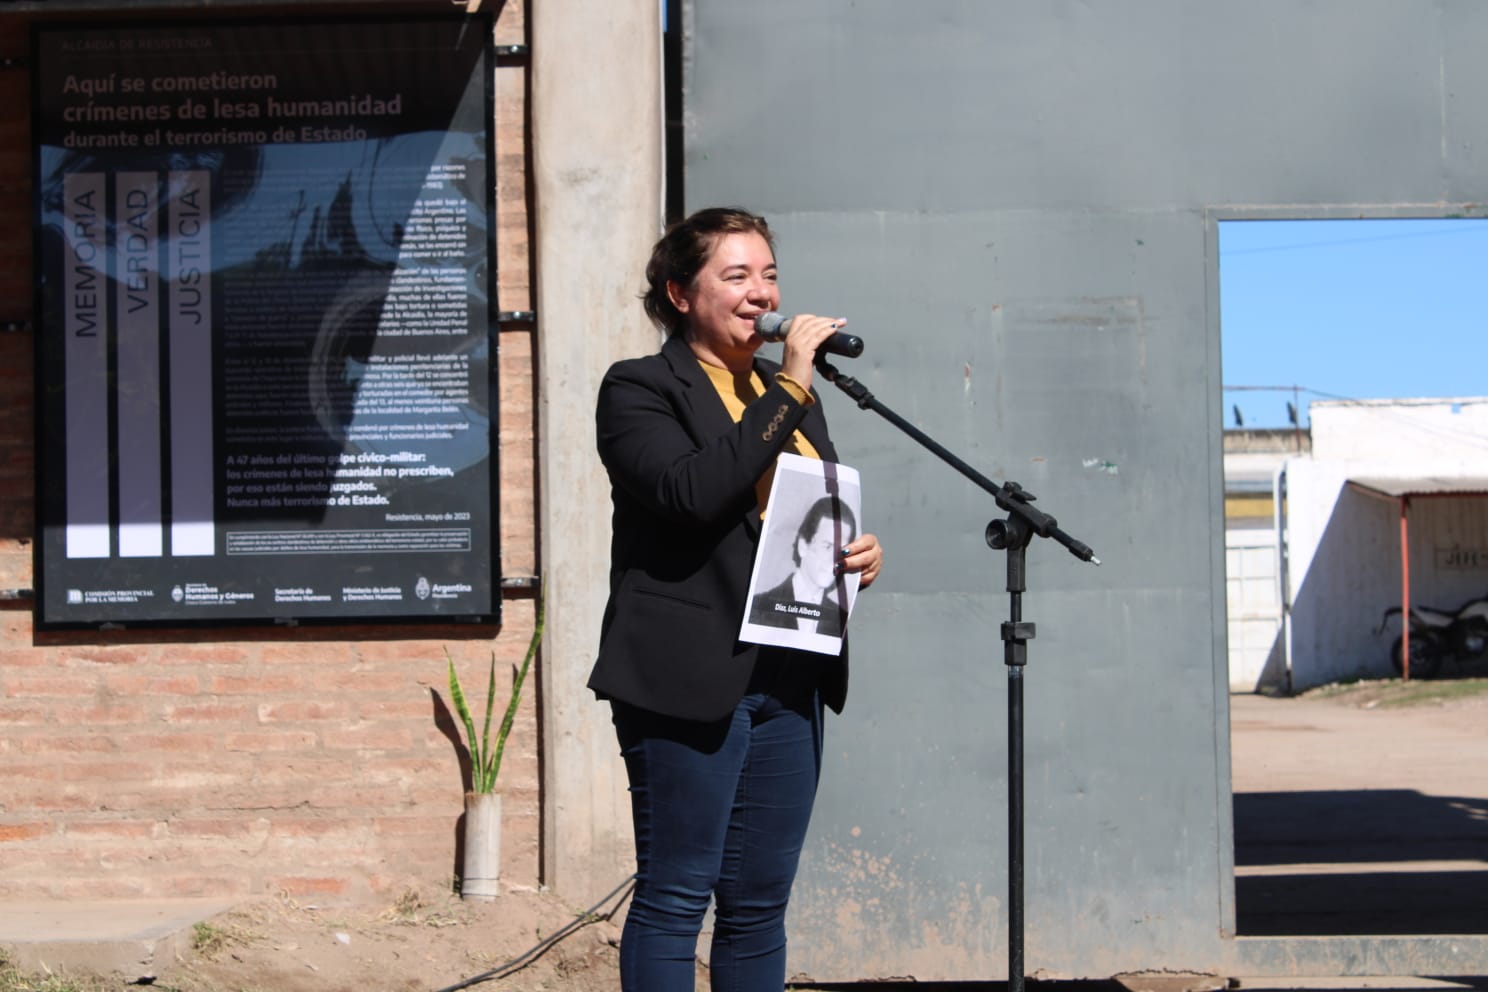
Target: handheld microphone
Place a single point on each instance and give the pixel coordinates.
(774, 327)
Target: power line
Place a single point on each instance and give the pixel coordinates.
(1450, 228)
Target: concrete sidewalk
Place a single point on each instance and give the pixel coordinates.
(135, 938)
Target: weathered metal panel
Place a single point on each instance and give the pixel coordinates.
(1015, 205)
(847, 105)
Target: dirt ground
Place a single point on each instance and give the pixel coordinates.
(1362, 809)
(1354, 738)
(423, 942)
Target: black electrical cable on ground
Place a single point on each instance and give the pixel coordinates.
(530, 955)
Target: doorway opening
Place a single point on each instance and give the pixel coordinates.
(1351, 354)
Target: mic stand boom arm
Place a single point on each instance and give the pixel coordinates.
(1010, 496)
(1013, 536)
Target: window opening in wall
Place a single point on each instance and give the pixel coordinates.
(1356, 470)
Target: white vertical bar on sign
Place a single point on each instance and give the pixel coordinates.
(137, 310)
(85, 355)
(189, 319)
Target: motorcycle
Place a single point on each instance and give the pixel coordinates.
(1437, 634)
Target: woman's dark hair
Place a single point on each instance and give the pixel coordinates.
(683, 251)
(826, 508)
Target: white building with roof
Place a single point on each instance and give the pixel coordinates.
(1389, 505)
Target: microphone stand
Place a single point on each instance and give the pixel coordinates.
(1013, 535)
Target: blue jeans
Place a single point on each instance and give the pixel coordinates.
(720, 810)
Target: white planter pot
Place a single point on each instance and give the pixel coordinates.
(482, 879)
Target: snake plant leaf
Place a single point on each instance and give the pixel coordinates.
(488, 768)
(462, 709)
(485, 759)
(518, 677)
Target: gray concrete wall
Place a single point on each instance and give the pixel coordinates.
(596, 98)
(1016, 205)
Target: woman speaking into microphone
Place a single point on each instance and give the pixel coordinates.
(722, 739)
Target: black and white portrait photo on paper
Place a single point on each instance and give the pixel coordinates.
(797, 595)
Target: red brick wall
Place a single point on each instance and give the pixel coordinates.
(247, 761)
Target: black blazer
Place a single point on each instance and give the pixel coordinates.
(685, 528)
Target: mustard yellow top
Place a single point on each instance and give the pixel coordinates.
(738, 390)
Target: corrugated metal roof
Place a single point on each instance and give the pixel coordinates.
(1423, 485)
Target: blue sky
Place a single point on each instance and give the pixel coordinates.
(1350, 309)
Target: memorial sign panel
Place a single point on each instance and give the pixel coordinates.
(265, 352)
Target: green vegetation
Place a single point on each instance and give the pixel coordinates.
(485, 760)
(12, 980)
(1399, 693)
(207, 940)
(1417, 692)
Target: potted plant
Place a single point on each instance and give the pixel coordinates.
(482, 872)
